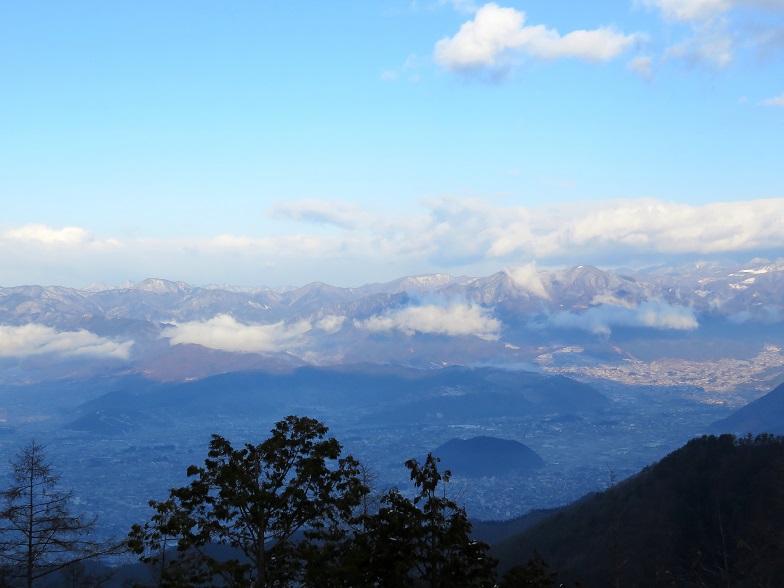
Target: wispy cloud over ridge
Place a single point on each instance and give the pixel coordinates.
(600, 320)
(453, 320)
(528, 280)
(32, 339)
(226, 333)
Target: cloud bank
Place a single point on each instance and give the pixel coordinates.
(31, 340)
(449, 234)
(600, 320)
(453, 320)
(225, 333)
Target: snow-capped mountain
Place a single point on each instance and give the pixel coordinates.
(428, 320)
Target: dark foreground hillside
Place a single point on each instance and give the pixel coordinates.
(708, 514)
(764, 414)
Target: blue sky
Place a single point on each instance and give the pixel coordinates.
(350, 142)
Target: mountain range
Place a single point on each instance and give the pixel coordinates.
(169, 330)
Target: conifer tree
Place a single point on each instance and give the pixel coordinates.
(39, 533)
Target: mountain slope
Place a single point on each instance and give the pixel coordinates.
(766, 414)
(708, 514)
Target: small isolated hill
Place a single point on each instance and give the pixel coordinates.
(766, 414)
(708, 514)
(487, 456)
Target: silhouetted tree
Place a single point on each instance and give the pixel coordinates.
(533, 574)
(422, 542)
(39, 534)
(270, 503)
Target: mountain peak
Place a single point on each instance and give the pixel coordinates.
(160, 286)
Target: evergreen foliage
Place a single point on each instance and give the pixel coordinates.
(295, 513)
(267, 502)
(421, 542)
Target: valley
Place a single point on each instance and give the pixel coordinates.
(115, 471)
(599, 373)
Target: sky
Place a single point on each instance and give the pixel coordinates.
(252, 143)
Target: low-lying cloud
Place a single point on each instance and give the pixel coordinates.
(453, 320)
(33, 339)
(527, 279)
(330, 323)
(600, 320)
(227, 334)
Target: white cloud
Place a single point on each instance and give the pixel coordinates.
(453, 320)
(611, 300)
(225, 333)
(330, 323)
(495, 33)
(449, 234)
(653, 225)
(776, 101)
(650, 314)
(528, 280)
(33, 339)
(47, 235)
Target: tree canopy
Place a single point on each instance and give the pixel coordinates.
(266, 502)
(292, 511)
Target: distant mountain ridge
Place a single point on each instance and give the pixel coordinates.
(703, 287)
(425, 321)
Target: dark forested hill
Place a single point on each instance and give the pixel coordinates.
(487, 456)
(708, 514)
(766, 414)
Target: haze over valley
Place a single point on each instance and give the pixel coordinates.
(594, 371)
